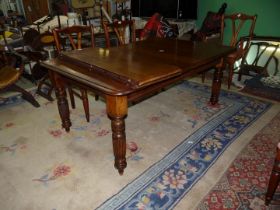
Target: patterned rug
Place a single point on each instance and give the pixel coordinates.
(173, 138)
(244, 184)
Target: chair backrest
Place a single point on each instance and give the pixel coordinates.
(29, 36)
(261, 56)
(120, 28)
(76, 37)
(237, 27)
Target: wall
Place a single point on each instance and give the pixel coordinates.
(4, 6)
(267, 10)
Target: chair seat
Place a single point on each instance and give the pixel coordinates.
(8, 75)
(8, 78)
(231, 58)
(235, 55)
(246, 69)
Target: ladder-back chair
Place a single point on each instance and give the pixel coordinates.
(74, 38)
(235, 24)
(120, 28)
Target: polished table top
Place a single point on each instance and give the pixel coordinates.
(135, 66)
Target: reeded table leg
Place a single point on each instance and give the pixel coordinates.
(62, 102)
(216, 86)
(117, 112)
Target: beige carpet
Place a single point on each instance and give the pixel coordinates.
(43, 167)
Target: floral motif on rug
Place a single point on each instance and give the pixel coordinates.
(54, 173)
(164, 184)
(244, 184)
(19, 144)
(83, 130)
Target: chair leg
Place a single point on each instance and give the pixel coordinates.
(25, 95)
(203, 77)
(71, 95)
(85, 103)
(96, 97)
(42, 93)
(230, 75)
(239, 75)
(274, 179)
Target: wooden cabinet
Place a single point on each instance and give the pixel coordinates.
(35, 9)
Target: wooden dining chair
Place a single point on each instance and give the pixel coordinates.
(274, 179)
(235, 26)
(45, 86)
(73, 38)
(124, 30)
(261, 59)
(36, 44)
(11, 69)
(239, 24)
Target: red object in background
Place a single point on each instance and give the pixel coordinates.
(151, 26)
(157, 26)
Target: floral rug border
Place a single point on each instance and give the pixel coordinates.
(166, 182)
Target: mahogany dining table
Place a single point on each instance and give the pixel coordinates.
(129, 73)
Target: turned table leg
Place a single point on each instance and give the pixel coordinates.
(117, 112)
(62, 102)
(216, 85)
(274, 179)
